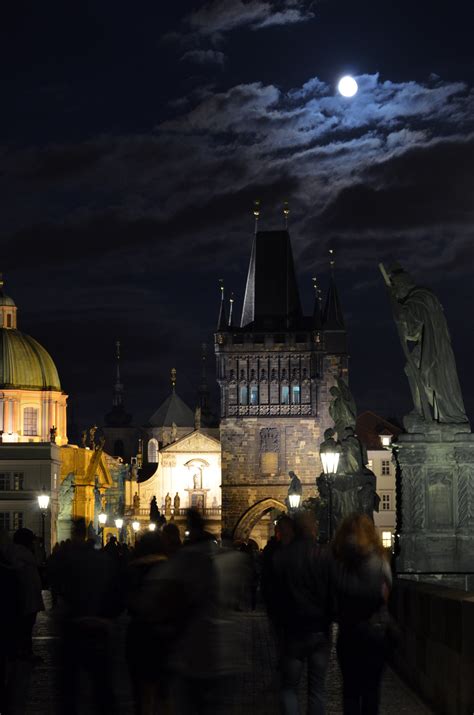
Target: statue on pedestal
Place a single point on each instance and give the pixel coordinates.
(168, 505)
(176, 503)
(52, 434)
(154, 511)
(136, 503)
(426, 343)
(342, 408)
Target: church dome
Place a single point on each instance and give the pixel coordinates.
(6, 300)
(24, 363)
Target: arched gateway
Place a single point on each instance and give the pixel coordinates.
(253, 515)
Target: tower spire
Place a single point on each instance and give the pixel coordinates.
(118, 387)
(333, 318)
(222, 321)
(256, 212)
(231, 310)
(286, 213)
(173, 378)
(317, 309)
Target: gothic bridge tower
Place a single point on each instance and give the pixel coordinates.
(274, 372)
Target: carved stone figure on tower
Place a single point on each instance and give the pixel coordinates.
(426, 343)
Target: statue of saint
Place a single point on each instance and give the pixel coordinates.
(176, 503)
(136, 503)
(154, 511)
(342, 408)
(66, 497)
(52, 434)
(92, 432)
(168, 504)
(426, 343)
(84, 439)
(295, 484)
(352, 454)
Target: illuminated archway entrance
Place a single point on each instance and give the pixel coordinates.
(252, 516)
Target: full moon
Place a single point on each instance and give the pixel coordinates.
(347, 86)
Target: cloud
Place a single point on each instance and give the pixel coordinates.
(204, 57)
(220, 16)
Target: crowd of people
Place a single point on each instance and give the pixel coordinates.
(179, 604)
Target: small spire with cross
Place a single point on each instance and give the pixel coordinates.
(286, 213)
(256, 212)
(231, 309)
(173, 377)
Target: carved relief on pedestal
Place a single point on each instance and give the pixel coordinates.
(465, 480)
(440, 499)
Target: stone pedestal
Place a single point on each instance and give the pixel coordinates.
(437, 498)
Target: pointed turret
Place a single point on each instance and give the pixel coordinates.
(222, 319)
(272, 300)
(317, 310)
(333, 318)
(231, 311)
(117, 417)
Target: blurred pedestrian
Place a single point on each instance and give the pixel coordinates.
(31, 597)
(10, 618)
(301, 578)
(361, 580)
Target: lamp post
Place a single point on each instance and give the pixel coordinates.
(136, 529)
(330, 461)
(43, 503)
(102, 522)
(295, 491)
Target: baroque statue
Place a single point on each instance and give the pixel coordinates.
(176, 502)
(426, 343)
(342, 408)
(168, 504)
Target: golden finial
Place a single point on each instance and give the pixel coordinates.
(221, 287)
(231, 307)
(256, 212)
(2, 282)
(173, 377)
(286, 212)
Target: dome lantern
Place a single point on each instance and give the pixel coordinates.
(7, 309)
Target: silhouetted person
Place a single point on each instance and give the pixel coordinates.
(10, 617)
(302, 616)
(171, 538)
(284, 535)
(30, 581)
(361, 581)
(150, 633)
(88, 602)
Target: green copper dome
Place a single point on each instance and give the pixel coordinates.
(25, 364)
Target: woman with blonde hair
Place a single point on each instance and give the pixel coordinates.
(361, 581)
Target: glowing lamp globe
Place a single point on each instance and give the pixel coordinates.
(347, 86)
(135, 525)
(43, 501)
(330, 462)
(102, 518)
(294, 500)
(119, 523)
(152, 526)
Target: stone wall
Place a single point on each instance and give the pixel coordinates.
(436, 655)
(246, 444)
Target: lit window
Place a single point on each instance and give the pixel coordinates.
(153, 451)
(386, 440)
(244, 394)
(4, 481)
(18, 479)
(370, 464)
(4, 521)
(386, 502)
(30, 421)
(17, 520)
(387, 539)
(295, 395)
(385, 467)
(254, 395)
(285, 395)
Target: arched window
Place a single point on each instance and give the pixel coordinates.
(295, 395)
(30, 421)
(243, 395)
(254, 395)
(153, 451)
(285, 395)
(118, 448)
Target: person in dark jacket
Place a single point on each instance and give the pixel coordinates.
(302, 616)
(361, 580)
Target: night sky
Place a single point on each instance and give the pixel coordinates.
(135, 137)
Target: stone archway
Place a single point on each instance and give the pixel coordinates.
(253, 515)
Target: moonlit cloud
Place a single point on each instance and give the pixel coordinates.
(220, 16)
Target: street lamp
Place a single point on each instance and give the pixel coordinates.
(152, 526)
(136, 529)
(295, 490)
(330, 461)
(119, 523)
(102, 522)
(43, 503)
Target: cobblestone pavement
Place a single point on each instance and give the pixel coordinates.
(251, 692)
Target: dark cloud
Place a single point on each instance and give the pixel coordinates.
(204, 57)
(219, 16)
